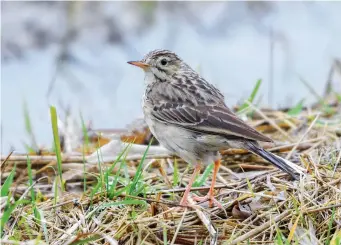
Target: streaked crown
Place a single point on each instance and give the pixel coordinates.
(164, 63)
(157, 53)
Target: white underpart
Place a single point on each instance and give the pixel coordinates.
(149, 77)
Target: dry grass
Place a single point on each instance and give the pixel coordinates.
(261, 204)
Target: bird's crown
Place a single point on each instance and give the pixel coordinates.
(155, 54)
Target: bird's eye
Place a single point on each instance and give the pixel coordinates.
(164, 62)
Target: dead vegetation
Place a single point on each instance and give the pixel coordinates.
(132, 198)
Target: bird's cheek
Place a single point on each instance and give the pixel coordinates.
(149, 76)
(160, 74)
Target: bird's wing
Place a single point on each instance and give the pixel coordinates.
(210, 119)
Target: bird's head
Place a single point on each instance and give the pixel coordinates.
(161, 63)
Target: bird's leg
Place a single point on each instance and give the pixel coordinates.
(184, 200)
(210, 194)
(211, 191)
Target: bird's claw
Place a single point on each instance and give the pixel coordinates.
(212, 200)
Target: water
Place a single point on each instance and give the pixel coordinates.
(108, 91)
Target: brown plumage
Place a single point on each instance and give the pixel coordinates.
(189, 116)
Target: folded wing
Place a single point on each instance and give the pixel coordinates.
(210, 119)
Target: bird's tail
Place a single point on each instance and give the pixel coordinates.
(290, 168)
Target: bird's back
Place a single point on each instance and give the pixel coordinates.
(189, 101)
(184, 89)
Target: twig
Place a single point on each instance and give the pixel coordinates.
(270, 121)
(33, 242)
(22, 197)
(75, 226)
(45, 159)
(5, 160)
(60, 204)
(311, 89)
(261, 228)
(179, 226)
(303, 136)
(79, 159)
(192, 189)
(337, 161)
(308, 211)
(206, 221)
(290, 146)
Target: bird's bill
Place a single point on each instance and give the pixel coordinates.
(140, 64)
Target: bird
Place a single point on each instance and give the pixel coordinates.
(189, 117)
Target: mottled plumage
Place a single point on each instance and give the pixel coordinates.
(189, 116)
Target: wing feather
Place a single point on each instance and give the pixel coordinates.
(211, 119)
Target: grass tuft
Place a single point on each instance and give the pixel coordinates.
(252, 96)
(54, 123)
(125, 200)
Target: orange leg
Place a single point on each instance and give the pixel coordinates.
(215, 172)
(184, 200)
(210, 194)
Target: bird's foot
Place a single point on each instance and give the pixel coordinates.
(184, 204)
(212, 200)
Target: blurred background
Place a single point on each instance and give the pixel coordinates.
(73, 55)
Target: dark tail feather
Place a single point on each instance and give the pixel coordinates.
(293, 171)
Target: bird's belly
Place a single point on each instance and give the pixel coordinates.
(165, 134)
(184, 143)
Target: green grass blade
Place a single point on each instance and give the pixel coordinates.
(85, 149)
(125, 202)
(42, 218)
(252, 96)
(8, 182)
(120, 191)
(297, 109)
(336, 240)
(176, 177)
(84, 170)
(56, 139)
(165, 240)
(111, 189)
(29, 129)
(85, 132)
(330, 226)
(29, 149)
(279, 240)
(28, 125)
(55, 195)
(94, 190)
(87, 240)
(200, 181)
(325, 107)
(30, 179)
(249, 186)
(138, 172)
(33, 197)
(7, 214)
(101, 177)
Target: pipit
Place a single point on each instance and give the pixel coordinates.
(189, 117)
